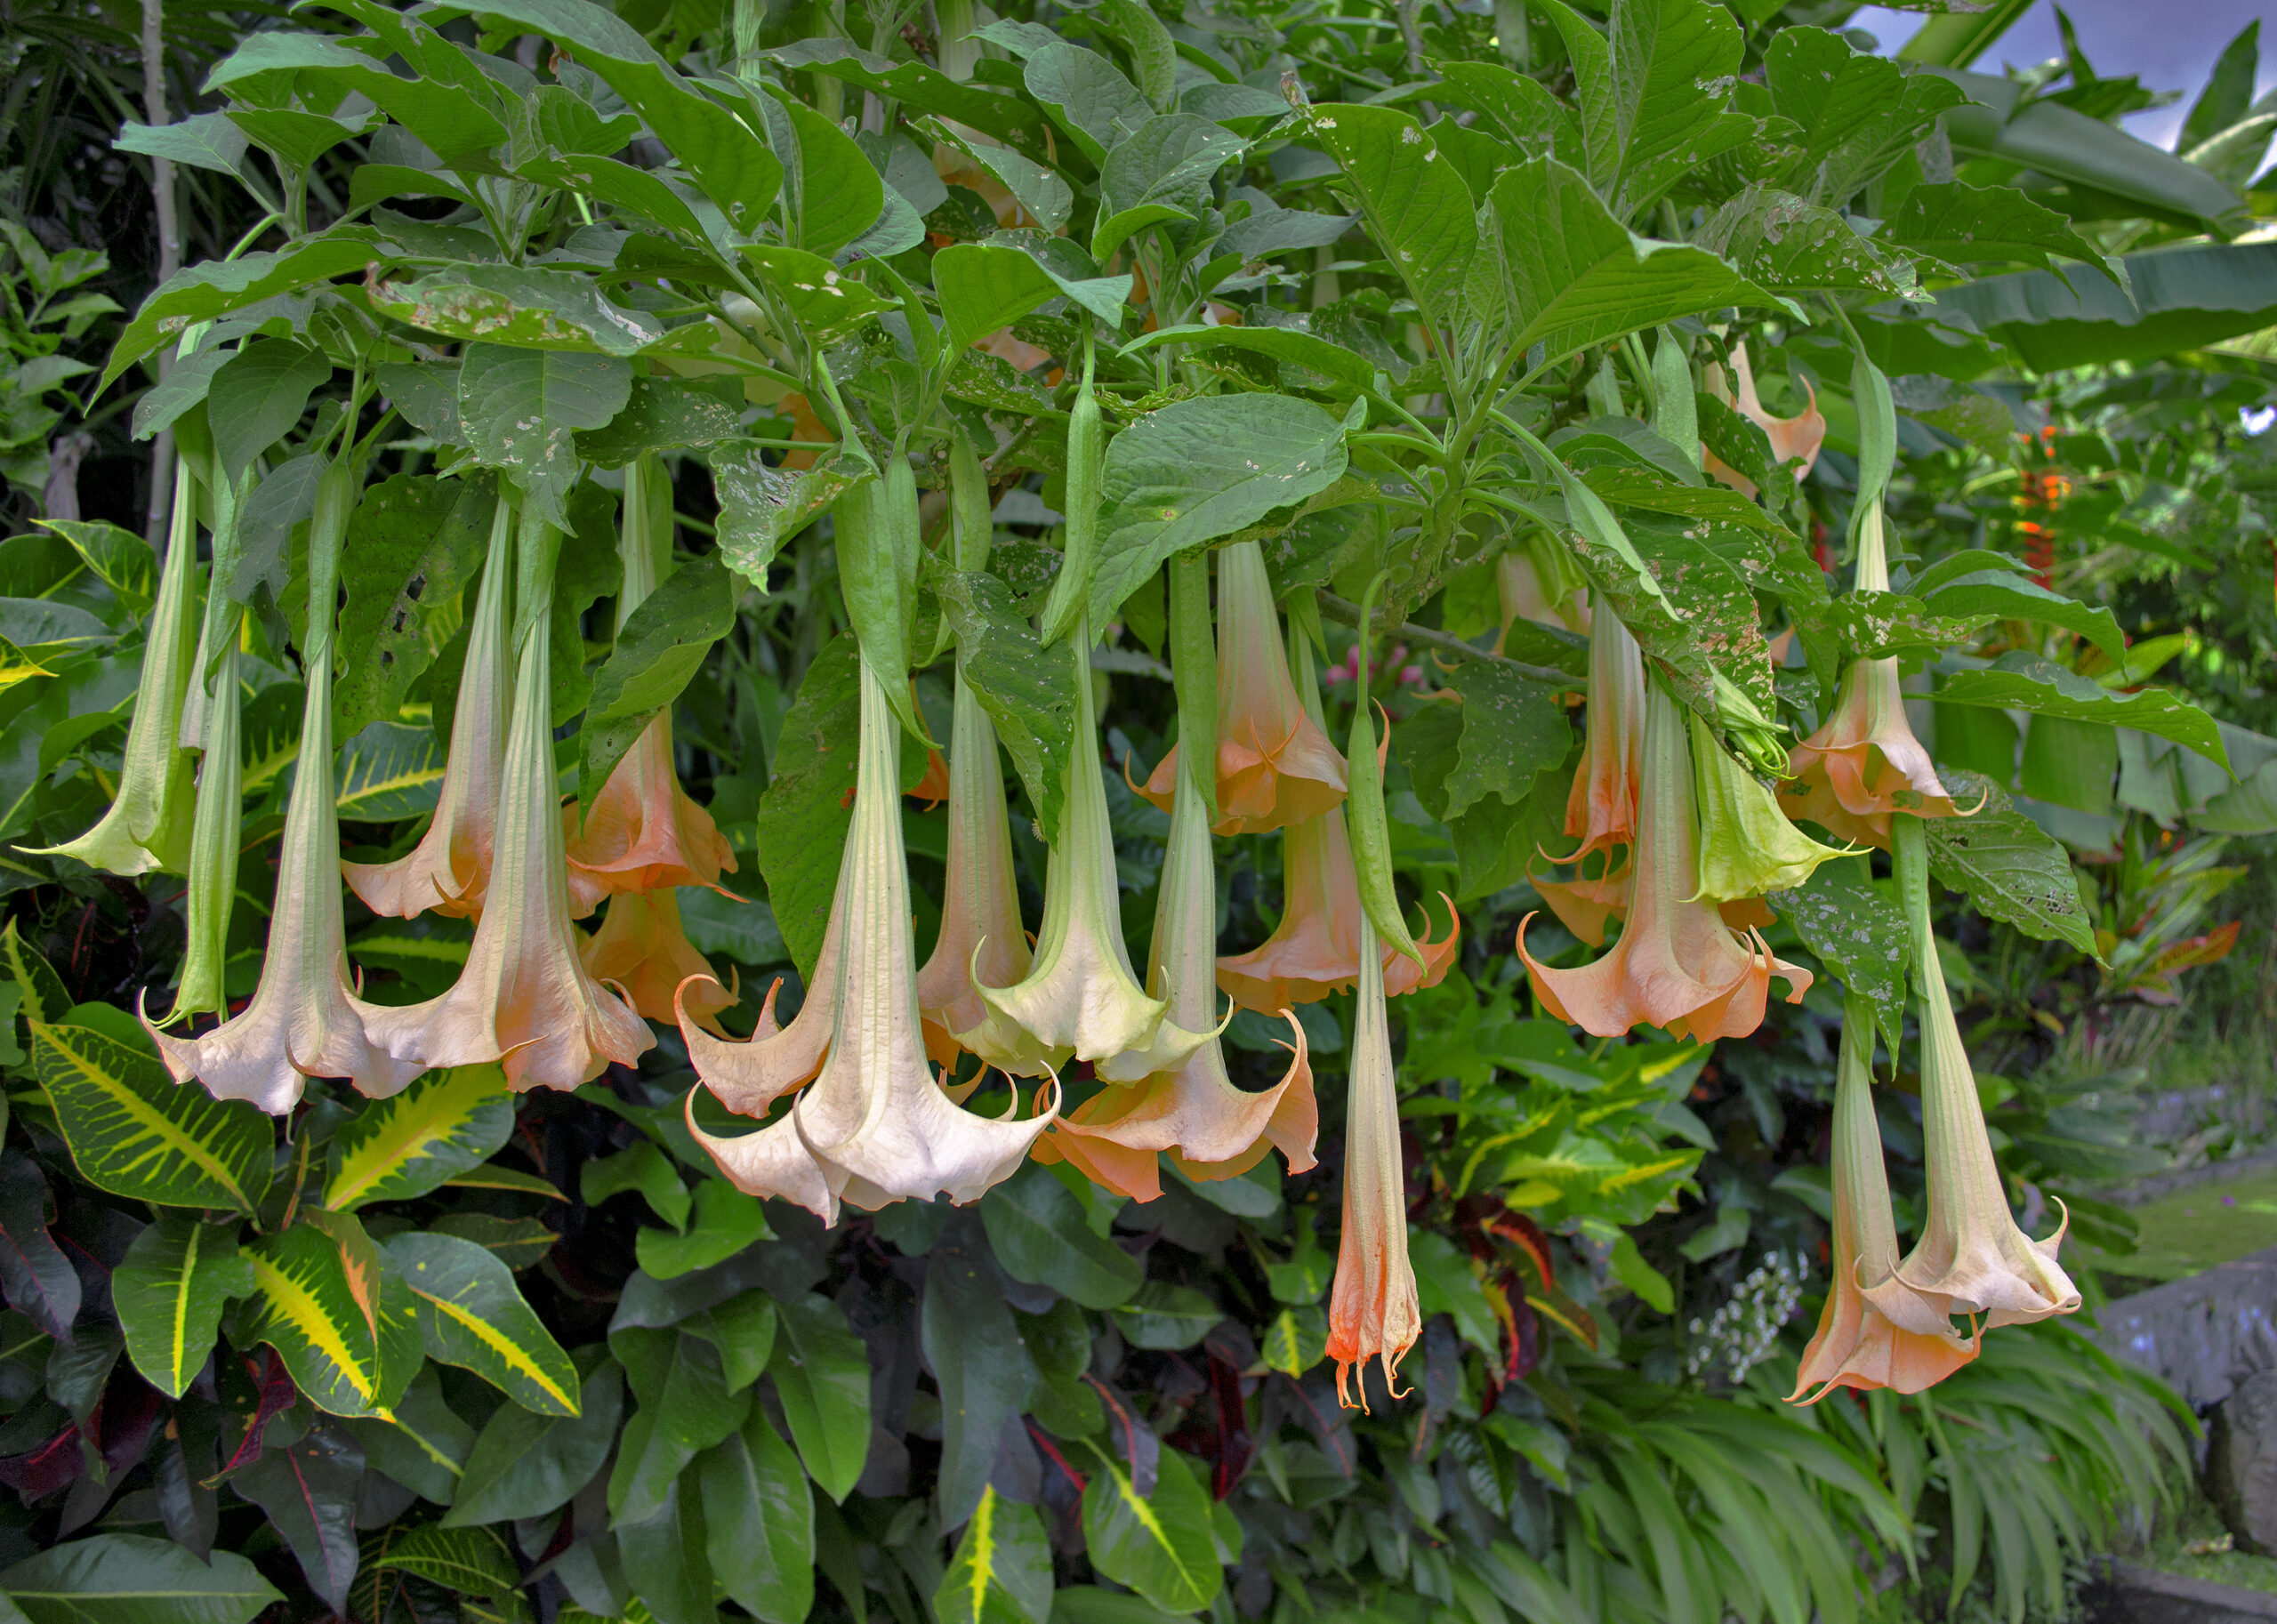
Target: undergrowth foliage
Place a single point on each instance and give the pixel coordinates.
(553, 1074)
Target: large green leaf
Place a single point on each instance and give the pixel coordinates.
(413, 544)
(1087, 96)
(1037, 1230)
(258, 396)
(524, 1464)
(308, 1489)
(1857, 933)
(453, 120)
(983, 1368)
(1658, 105)
(804, 814)
(472, 1314)
(686, 1408)
(762, 506)
(1029, 696)
(1201, 469)
(758, 1520)
(2021, 681)
(1001, 1571)
(1156, 174)
(1417, 207)
(1788, 244)
(660, 648)
(665, 1558)
(1966, 224)
(422, 1444)
(1158, 1544)
(390, 771)
(2008, 867)
(475, 1562)
(1856, 115)
(446, 1122)
(129, 1579)
(2183, 298)
(522, 406)
(916, 84)
(120, 558)
(543, 310)
(821, 1374)
(983, 286)
(169, 1293)
(215, 287)
(135, 1132)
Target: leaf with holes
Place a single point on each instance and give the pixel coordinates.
(2008, 867)
(762, 506)
(413, 543)
(445, 1123)
(471, 1314)
(169, 1294)
(135, 1132)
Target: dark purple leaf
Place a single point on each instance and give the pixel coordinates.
(307, 1487)
(39, 1280)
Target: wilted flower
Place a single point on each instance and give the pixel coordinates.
(449, 870)
(1275, 766)
(1373, 1312)
(1193, 1111)
(302, 1020)
(1601, 808)
(1857, 1345)
(875, 1127)
(1790, 437)
(980, 938)
(1677, 965)
(1747, 846)
(1080, 997)
(147, 824)
(642, 949)
(524, 1000)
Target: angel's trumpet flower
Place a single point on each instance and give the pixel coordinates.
(524, 1000)
(214, 836)
(1601, 808)
(1677, 965)
(1747, 846)
(1537, 583)
(642, 832)
(1314, 950)
(1857, 1345)
(1373, 1310)
(1971, 1257)
(1864, 763)
(449, 871)
(642, 948)
(1791, 438)
(1080, 997)
(149, 824)
(1276, 765)
(875, 1127)
(302, 1020)
(981, 940)
(1211, 1128)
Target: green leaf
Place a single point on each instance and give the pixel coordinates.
(663, 414)
(761, 506)
(1042, 192)
(122, 559)
(127, 1579)
(307, 1487)
(133, 1131)
(388, 772)
(1162, 1316)
(1857, 933)
(1577, 277)
(686, 1408)
(1788, 245)
(2021, 681)
(1951, 219)
(727, 1220)
(759, 1519)
(169, 1293)
(983, 286)
(588, 569)
(978, 1358)
(1296, 1341)
(1028, 694)
(804, 814)
(836, 195)
(517, 1242)
(1290, 344)
(215, 287)
(644, 1168)
(1200, 469)
(522, 407)
(1037, 1231)
(450, 119)
(1513, 730)
(1152, 49)
(258, 397)
(471, 1314)
(1672, 65)
(743, 1328)
(524, 1464)
(1159, 1544)
(1518, 107)
(2008, 867)
(1417, 207)
(318, 1304)
(822, 1375)
(1086, 96)
(203, 140)
(916, 84)
(413, 543)
(45, 998)
(551, 311)
(1857, 114)
(445, 1123)
(666, 1560)
(1001, 1571)
(1988, 585)
(474, 1562)
(183, 387)
(1165, 163)
(422, 1444)
(660, 648)
(2181, 299)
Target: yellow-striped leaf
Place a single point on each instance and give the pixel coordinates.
(472, 1314)
(445, 1124)
(134, 1132)
(45, 998)
(343, 1322)
(388, 772)
(1158, 1544)
(169, 1294)
(1003, 1569)
(490, 1176)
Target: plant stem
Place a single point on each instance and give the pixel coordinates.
(1337, 609)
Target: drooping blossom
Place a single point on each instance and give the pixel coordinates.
(642, 948)
(302, 1020)
(1791, 438)
(1747, 846)
(980, 938)
(216, 835)
(1276, 765)
(875, 1126)
(1373, 1311)
(449, 871)
(1519, 582)
(524, 1000)
(1601, 808)
(1678, 965)
(748, 1077)
(1080, 998)
(1857, 1345)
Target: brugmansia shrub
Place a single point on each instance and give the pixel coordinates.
(814, 415)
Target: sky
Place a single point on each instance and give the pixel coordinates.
(2169, 45)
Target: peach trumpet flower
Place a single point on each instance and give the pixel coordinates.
(1276, 765)
(1857, 1345)
(1601, 808)
(1677, 965)
(1373, 1312)
(1524, 580)
(642, 948)
(449, 871)
(980, 939)
(1195, 1112)
(524, 999)
(875, 1127)
(302, 1020)
(1080, 998)
(1791, 438)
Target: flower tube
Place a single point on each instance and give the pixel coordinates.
(875, 1127)
(214, 836)
(524, 1000)
(1747, 846)
(980, 939)
(1601, 808)
(1536, 580)
(302, 1020)
(1276, 765)
(1373, 1312)
(449, 871)
(1677, 965)
(641, 948)
(1857, 1345)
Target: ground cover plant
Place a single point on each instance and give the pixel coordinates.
(1512, 558)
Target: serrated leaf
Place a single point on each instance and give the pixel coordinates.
(1788, 245)
(133, 1131)
(445, 1123)
(1966, 224)
(472, 1314)
(2009, 868)
(169, 1293)
(1857, 113)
